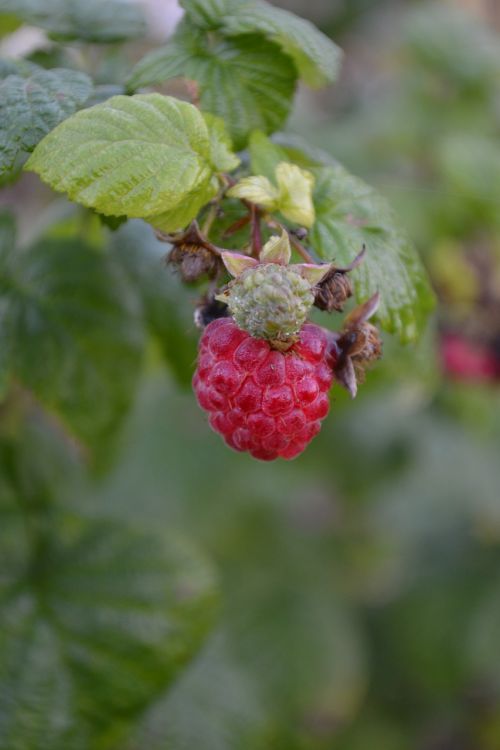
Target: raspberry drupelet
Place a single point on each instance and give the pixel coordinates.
(261, 400)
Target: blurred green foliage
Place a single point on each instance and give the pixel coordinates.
(349, 600)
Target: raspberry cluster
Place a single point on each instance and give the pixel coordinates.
(267, 402)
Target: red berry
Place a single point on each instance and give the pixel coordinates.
(468, 361)
(261, 400)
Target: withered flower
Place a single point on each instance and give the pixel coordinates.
(192, 255)
(336, 287)
(359, 344)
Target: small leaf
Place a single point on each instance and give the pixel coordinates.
(316, 57)
(30, 107)
(247, 81)
(142, 156)
(292, 197)
(350, 214)
(71, 333)
(89, 20)
(257, 190)
(295, 188)
(223, 158)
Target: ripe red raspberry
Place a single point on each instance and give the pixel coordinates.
(263, 401)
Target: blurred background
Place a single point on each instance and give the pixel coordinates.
(360, 583)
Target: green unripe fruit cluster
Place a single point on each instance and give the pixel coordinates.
(270, 301)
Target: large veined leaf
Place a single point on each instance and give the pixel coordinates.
(71, 333)
(247, 81)
(350, 215)
(90, 20)
(93, 627)
(30, 107)
(143, 156)
(316, 57)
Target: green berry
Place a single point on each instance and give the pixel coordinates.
(270, 301)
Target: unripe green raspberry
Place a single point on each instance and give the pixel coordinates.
(270, 301)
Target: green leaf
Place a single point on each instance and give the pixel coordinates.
(71, 332)
(89, 20)
(167, 312)
(31, 107)
(94, 625)
(247, 81)
(350, 214)
(207, 14)
(223, 158)
(143, 156)
(316, 57)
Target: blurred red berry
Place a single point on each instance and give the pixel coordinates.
(267, 402)
(466, 360)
